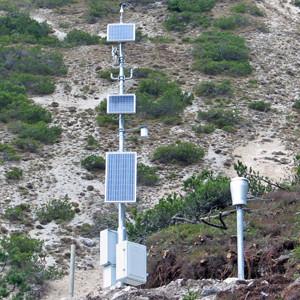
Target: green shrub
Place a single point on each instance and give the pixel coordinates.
(221, 53)
(296, 105)
(191, 296)
(98, 9)
(198, 6)
(208, 128)
(160, 97)
(243, 8)
(222, 119)
(23, 266)
(17, 213)
(39, 131)
(297, 3)
(231, 22)
(204, 192)
(260, 106)
(51, 3)
(27, 144)
(78, 37)
(34, 84)
(187, 12)
(211, 89)
(22, 24)
(155, 218)
(183, 153)
(8, 153)
(19, 107)
(31, 60)
(179, 21)
(93, 163)
(58, 210)
(14, 174)
(91, 143)
(161, 39)
(146, 175)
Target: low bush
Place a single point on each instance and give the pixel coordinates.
(296, 105)
(34, 84)
(39, 131)
(188, 13)
(93, 163)
(214, 89)
(17, 213)
(179, 21)
(8, 153)
(182, 153)
(23, 266)
(197, 6)
(58, 210)
(221, 53)
(221, 118)
(22, 24)
(204, 192)
(91, 143)
(31, 60)
(160, 97)
(98, 9)
(52, 3)
(260, 106)
(297, 3)
(249, 8)
(27, 144)
(231, 22)
(78, 37)
(208, 128)
(161, 39)
(14, 174)
(146, 175)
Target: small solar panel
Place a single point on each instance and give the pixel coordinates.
(121, 104)
(120, 177)
(121, 32)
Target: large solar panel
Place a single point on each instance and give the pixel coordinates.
(121, 32)
(121, 104)
(120, 177)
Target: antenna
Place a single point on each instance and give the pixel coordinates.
(128, 266)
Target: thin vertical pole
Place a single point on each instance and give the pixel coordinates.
(122, 235)
(72, 272)
(240, 241)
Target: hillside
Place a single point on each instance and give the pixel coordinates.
(241, 106)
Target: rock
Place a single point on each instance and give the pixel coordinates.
(54, 104)
(90, 188)
(88, 242)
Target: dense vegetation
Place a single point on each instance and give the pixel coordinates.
(203, 193)
(188, 13)
(21, 260)
(183, 153)
(147, 175)
(93, 163)
(158, 96)
(214, 89)
(260, 105)
(221, 53)
(58, 210)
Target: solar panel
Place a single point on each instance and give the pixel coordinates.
(121, 104)
(120, 177)
(121, 32)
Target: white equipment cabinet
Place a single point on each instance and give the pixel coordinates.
(131, 263)
(108, 241)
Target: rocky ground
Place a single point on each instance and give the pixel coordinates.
(267, 141)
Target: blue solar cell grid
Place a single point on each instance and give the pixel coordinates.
(120, 177)
(121, 32)
(121, 104)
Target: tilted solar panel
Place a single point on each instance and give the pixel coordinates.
(120, 177)
(121, 32)
(121, 104)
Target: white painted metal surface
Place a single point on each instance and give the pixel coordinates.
(239, 188)
(131, 263)
(108, 242)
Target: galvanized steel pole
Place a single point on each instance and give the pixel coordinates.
(240, 241)
(72, 272)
